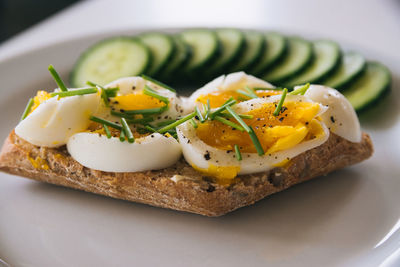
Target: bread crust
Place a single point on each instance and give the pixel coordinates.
(195, 193)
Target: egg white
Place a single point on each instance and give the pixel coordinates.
(56, 119)
(97, 152)
(340, 117)
(194, 148)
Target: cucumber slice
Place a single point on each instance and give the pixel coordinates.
(110, 59)
(298, 55)
(181, 55)
(275, 48)
(161, 47)
(255, 45)
(232, 44)
(369, 87)
(352, 64)
(205, 47)
(326, 58)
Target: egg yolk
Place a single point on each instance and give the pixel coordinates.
(40, 97)
(136, 101)
(218, 98)
(295, 123)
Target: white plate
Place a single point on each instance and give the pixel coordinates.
(349, 218)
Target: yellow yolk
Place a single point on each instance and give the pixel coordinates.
(219, 172)
(137, 101)
(293, 125)
(219, 98)
(40, 97)
(38, 162)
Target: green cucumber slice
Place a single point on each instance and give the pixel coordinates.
(205, 46)
(110, 59)
(161, 47)
(255, 45)
(275, 48)
(298, 55)
(181, 55)
(351, 65)
(326, 58)
(369, 87)
(232, 44)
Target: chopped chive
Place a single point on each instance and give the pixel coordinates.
(104, 96)
(193, 123)
(230, 102)
(150, 92)
(122, 136)
(110, 92)
(229, 123)
(251, 92)
(176, 123)
(57, 78)
(120, 114)
(301, 91)
(279, 106)
(163, 123)
(237, 117)
(139, 121)
(245, 93)
(208, 109)
(256, 142)
(27, 109)
(243, 116)
(267, 88)
(238, 154)
(106, 122)
(108, 133)
(144, 111)
(127, 130)
(84, 91)
(198, 113)
(147, 78)
(149, 128)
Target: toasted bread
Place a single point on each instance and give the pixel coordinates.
(191, 192)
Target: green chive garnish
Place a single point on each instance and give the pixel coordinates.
(237, 117)
(106, 122)
(57, 78)
(238, 154)
(27, 109)
(122, 136)
(110, 92)
(279, 106)
(147, 78)
(148, 111)
(127, 130)
(301, 91)
(229, 102)
(251, 92)
(139, 121)
(229, 123)
(176, 123)
(245, 93)
(84, 91)
(150, 92)
(208, 110)
(256, 142)
(163, 123)
(198, 113)
(149, 128)
(194, 124)
(243, 116)
(108, 133)
(104, 95)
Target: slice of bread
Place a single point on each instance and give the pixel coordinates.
(188, 190)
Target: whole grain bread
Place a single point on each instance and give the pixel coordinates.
(189, 190)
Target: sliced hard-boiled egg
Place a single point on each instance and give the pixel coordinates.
(152, 152)
(54, 119)
(340, 117)
(131, 96)
(209, 148)
(235, 85)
